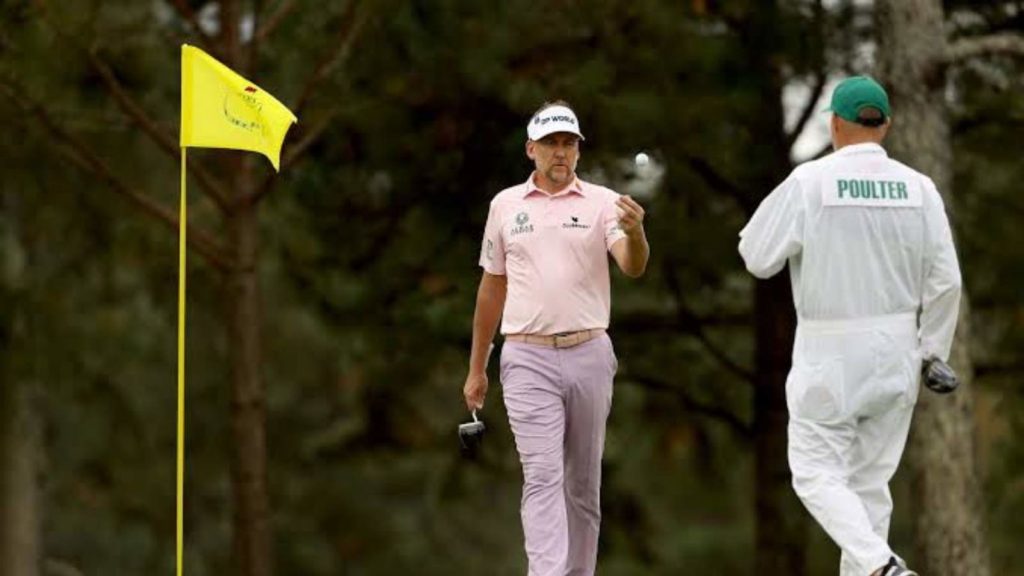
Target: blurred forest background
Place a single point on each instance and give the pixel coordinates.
(329, 307)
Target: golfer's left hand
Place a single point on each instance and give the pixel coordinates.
(631, 215)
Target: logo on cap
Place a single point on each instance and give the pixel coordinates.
(543, 121)
(553, 119)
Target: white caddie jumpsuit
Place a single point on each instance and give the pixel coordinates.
(876, 285)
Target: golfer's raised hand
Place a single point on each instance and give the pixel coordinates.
(631, 215)
(475, 390)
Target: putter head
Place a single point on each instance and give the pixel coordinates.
(471, 434)
(938, 376)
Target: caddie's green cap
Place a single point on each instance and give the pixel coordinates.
(857, 93)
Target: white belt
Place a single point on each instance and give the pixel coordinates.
(861, 323)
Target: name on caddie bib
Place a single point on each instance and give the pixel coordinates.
(880, 192)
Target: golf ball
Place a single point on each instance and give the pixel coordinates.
(641, 159)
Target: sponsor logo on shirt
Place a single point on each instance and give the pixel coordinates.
(522, 224)
(489, 252)
(574, 222)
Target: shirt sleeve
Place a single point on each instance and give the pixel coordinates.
(612, 232)
(775, 231)
(940, 300)
(492, 251)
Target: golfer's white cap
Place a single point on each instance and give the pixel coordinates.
(553, 119)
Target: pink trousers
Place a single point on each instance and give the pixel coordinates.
(558, 400)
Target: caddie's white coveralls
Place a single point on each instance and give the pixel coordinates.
(876, 285)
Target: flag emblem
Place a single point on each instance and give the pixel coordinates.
(221, 109)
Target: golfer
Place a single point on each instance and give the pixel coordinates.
(545, 277)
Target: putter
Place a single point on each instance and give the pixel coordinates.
(938, 376)
(472, 433)
(470, 436)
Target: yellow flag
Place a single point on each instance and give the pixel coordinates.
(220, 109)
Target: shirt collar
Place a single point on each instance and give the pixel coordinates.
(864, 148)
(531, 186)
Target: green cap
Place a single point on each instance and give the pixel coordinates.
(857, 93)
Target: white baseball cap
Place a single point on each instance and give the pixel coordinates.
(553, 119)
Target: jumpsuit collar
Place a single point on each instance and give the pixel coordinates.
(865, 148)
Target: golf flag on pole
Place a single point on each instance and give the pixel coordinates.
(220, 109)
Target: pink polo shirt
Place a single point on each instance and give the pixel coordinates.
(554, 250)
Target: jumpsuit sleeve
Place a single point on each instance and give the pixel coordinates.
(775, 231)
(940, 299)
(492, 250)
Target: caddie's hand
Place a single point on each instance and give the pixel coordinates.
(475, 390)
(938, 376)
(631, 215)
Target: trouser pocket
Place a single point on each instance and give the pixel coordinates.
(896, 378)
(815, 390)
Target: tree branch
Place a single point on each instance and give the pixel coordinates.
(292, 155)
(60, 567)
(820, 77)
(690, 403)
(274, 20)
(1006, 44)
(189, 16)
(351, 25)
(653, 321)
(965, 124)
(997, 369)
(130, 108)
(83, 156)
(805, 114)
(690, 324)
(310, 137)
(719, 183)
(348, 31)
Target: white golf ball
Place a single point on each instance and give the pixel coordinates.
(641, 159)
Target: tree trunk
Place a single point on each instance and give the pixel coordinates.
(781, 521)
(252, 539)
(252, 532)
(949, 528)
(20, 422)
(19, 471)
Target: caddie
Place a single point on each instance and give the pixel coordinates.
(876, 287)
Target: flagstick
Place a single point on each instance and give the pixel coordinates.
(181, 366)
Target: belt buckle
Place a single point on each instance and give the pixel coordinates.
(558, 338)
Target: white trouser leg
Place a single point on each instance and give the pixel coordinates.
(819, 456)
(850, 395)
(876, 455)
